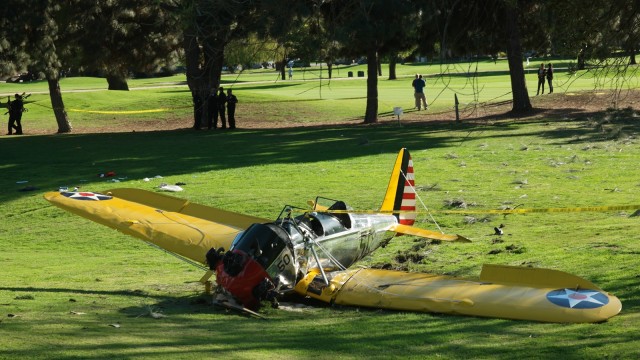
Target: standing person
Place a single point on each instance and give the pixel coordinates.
(541, 74)
(222, 100)
(423, 97)
(232, 100)
(212, 110)
(16, 108)
(290, 72)
(415, 99)
(550, 77)
(418, 86)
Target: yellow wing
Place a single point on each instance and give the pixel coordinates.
(503, 292)
(173, 224)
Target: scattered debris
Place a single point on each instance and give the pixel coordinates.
(77, 313)
(469, 220)
(171, 188)
(107, 174)
(153, 314)
(294, 307)
(232, 305)
(514, 249)
(456, 203)
(116, 325)
(428, 187)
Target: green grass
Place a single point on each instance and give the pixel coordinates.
(69, 280)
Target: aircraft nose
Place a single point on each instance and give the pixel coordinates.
(234, 262)
(239, 275)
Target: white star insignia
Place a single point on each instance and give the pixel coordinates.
(576, 297)
(85, 195)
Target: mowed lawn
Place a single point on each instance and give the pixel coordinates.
(71, 288)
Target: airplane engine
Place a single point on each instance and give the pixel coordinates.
(259, 265)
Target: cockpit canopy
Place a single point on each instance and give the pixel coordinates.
(263, 242)
(322, 224)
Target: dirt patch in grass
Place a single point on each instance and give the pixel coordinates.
(558, 106)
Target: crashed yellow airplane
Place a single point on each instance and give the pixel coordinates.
(311, 254)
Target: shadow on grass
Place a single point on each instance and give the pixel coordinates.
(50, 161)
(571, 125)
(30, 289)
(195, 329)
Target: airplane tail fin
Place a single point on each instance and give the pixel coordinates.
(401, 193)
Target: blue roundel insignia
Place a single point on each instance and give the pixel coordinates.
(578, 299)
(83, 195)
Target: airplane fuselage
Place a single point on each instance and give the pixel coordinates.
(367, 233)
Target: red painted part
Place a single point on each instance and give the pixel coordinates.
(241, 286)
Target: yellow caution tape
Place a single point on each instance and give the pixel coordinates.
(491, 211)
(121, 112)
(524, 211)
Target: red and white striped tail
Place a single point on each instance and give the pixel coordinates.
(401, 193)
(408, 197)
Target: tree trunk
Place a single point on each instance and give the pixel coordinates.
(64, 126)
(216, 66)
(283, 69)
(329, 68)
(213, 51)
(632, 57)
(379, 65)
(521, 102)
(117, 82)
(371, 114)
(212, 68)
(194, 77)
(392, 67)
(192, 56)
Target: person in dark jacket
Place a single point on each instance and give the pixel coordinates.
(16, 108)
(222, 101)
(541, 74)
(212, 110)
(232, 100)
(550, 77)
